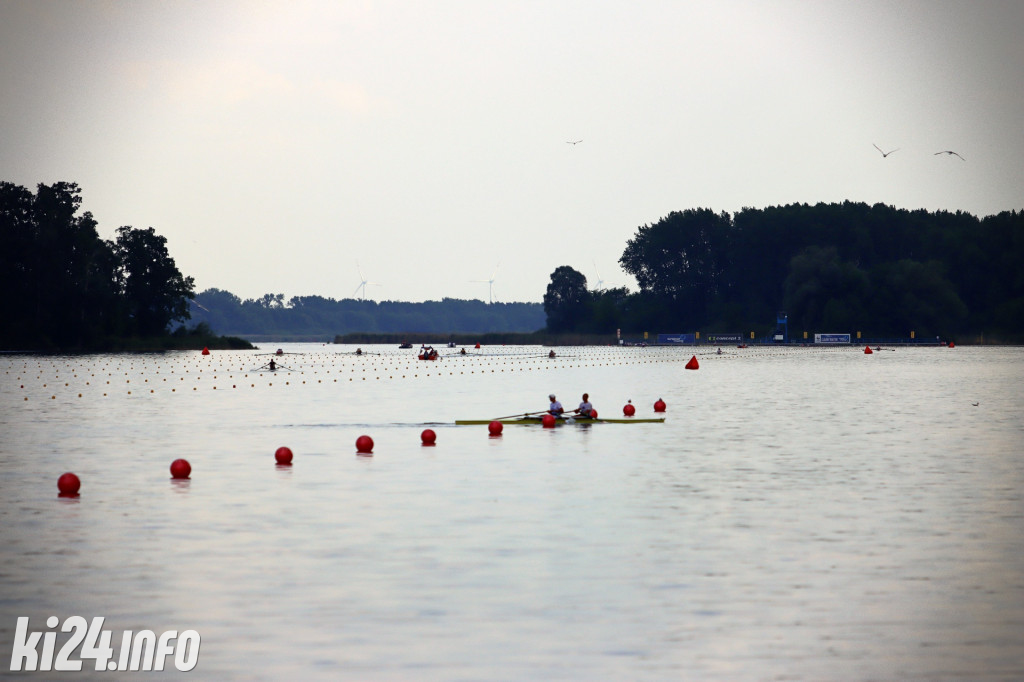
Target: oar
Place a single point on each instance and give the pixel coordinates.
(524, 414)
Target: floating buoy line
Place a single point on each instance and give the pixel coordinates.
(44, 377)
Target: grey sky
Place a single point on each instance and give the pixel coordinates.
(275, 144)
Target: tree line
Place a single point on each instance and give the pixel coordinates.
(66, 288)
(272, 315)
(831, 267)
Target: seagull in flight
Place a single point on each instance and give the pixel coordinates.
(573, 142)
(949, 152)
(884, 154)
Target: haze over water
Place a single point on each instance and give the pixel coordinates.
(802, 514)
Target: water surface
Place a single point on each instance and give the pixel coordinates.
(803, 514)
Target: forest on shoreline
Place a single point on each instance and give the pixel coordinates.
(829, 268)
(69, 290)
(845, 267)
(273, 315)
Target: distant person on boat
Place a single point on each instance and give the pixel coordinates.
(551, 354)
(462, 352)
(359, 351)
(719, 351)
(555, 407)
(585, 409)
(272, 366)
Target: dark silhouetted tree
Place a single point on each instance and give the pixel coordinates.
(154, 292)
(566, 300)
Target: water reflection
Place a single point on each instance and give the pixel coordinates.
(181, 486)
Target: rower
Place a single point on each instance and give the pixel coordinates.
(462, 352)
(551, 354)
(359, 351)
(555, 408)
(273, 365)
(585, 409)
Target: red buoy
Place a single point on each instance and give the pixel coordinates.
(364, 444)
(180, 468)
(495, 428)
(659, 405)
(477, 345)
(951, 345)
(693, 364)
(628, 409)
(867, 350)
(206, 351)
(283, 455)
(68, 485)
(548, 421)
(428, 436)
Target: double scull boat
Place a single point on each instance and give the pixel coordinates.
(536, 419)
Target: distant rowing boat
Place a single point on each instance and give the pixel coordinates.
(527, 420)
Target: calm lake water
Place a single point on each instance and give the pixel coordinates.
(802, 514)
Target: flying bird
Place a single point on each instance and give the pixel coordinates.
(573, 142)
(949, 152)
(884, 154)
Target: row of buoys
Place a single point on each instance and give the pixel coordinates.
(241, 369)
(318, 359)
(68, 484)
(868, 351)
(629, 409)
(229, 374)
(315, 358)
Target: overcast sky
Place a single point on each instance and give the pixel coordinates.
(276, 143)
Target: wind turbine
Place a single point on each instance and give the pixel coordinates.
(490, 283)
(362, 283)
(600, 282)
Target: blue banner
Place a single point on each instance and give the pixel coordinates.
(677, 338)
(831, 338)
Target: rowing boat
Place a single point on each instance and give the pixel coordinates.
(575, 420)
